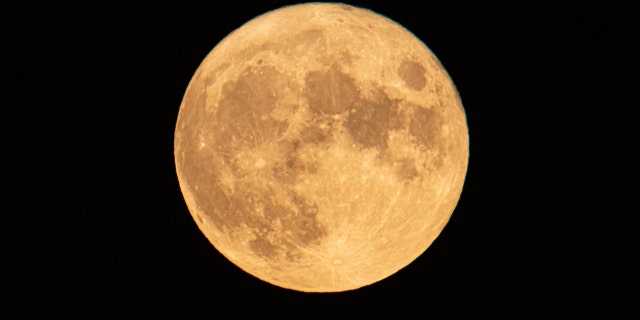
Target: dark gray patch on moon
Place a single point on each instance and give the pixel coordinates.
(262, 247)
(329, 92)
(243, 117)
(371, 119)
(299, 222)
(304, 226)
(412, 74)
(314, 135)
(426, 125)
(259, 210)
(294, 164)
(297, 165)
(311, 35)
(405, 169)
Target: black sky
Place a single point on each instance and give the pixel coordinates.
(104, 228)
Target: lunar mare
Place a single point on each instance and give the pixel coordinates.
(321, 147)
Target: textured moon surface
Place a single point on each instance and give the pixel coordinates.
(321, 147)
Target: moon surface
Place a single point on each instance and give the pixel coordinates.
(321, 147)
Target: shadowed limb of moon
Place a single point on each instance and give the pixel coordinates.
(321, 147)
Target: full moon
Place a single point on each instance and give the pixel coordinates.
(321, 147)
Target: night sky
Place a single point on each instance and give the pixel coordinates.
(104, 228)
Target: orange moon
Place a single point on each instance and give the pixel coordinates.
(321, 147)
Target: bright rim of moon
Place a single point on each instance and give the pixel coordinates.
(321, 147)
